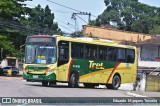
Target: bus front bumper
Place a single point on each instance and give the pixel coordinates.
(39, 77)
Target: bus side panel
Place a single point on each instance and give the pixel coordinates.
(91, 71)
(126, 72)
(62, 72)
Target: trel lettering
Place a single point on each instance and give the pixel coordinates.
(95, 65)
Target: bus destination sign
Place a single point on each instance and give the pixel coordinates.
(41, 39)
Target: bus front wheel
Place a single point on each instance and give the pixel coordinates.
(45, 83)
(116, 82)
(74, 80)
(52, 83)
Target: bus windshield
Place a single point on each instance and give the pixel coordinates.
(40, 54)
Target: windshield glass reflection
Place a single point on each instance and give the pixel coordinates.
(40, 54)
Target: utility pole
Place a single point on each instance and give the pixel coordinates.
(74, 17)
(82, 13)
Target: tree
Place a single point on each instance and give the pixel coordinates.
(42, 19)
(10, 9)
(10, 13)
(130, 15)
(17, 22)
(155, 30)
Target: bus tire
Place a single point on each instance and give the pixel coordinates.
(109, 86)
(89, 85)
(116, 82)
(74, 80)
(45, 83)
(52, 83)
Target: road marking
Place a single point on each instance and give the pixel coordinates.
(135, 95)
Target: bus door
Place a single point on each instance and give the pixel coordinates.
(63, 60)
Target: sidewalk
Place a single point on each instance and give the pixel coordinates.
(138, 93)
(147, 94)
(13, 77)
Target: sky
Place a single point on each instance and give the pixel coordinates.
(63, 15)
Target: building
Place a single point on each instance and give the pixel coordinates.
(114, 34)
(149, 53)
(9, 61)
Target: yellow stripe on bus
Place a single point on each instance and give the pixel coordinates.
(103, 71)
(97, 72)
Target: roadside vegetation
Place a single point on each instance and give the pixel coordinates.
(130, 15)
(17, 21)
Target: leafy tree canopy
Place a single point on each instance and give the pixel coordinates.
(18, 21)
(130, 15)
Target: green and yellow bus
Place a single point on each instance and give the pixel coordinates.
(51, 59)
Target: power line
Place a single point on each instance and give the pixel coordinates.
(65, 27)
(67, 23)
(59, 11)
(82, 19)
(63, 6)
(67, 7)
(18, 27)
(58, 19)
(81, 13)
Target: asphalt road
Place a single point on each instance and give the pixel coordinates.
(17, 87)
(21, 88)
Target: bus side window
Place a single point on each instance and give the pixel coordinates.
(81, 48)
(130, 56)
(111, 54)
(77, 50)
(74, 50)
(63, 52)
(88, 51)
(101, 53)
(105, 53)
(121, 55)
(94, 52)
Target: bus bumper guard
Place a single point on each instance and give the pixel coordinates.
(39, 77)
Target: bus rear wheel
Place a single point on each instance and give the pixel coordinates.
(52, 83)
(74, 80)
(116, 82)
(89, 85)
(45, 83)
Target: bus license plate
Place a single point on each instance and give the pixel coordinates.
(35, 76)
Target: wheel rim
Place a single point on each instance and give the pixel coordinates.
(116, 82)
(73, 80)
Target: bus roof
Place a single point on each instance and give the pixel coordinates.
(94, 41)
(88, 40)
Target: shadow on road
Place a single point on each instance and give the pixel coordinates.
(61, 86)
